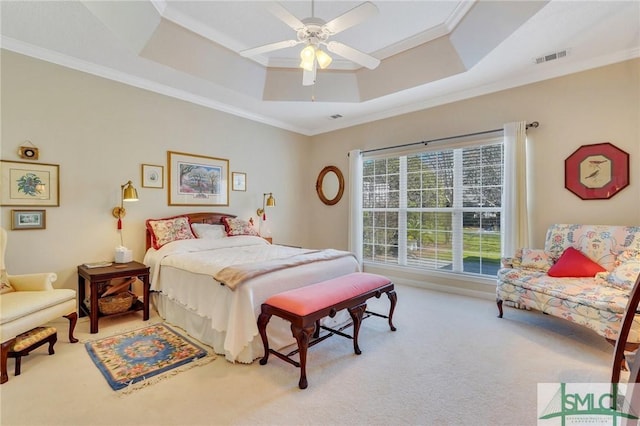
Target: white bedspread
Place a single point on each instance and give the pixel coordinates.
(186, 278)
(209, 256)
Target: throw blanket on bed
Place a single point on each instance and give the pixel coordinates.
(234, 275)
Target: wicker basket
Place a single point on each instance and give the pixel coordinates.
(117, 303)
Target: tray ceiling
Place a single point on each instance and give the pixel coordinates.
(431, 52)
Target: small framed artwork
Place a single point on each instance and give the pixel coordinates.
(152, 176)
(28, 219)
(29, 184)
(597, 172)
(239, 181)
(197, 180)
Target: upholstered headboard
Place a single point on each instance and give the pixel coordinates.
(200, 217)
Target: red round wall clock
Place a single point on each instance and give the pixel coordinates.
(596, 172)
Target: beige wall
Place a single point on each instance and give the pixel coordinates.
(100, 132)
(600, 105)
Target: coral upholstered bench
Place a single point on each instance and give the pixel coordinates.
(304, 308)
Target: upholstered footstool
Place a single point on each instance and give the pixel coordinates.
(26, 342)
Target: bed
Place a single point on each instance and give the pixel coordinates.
(213, 286)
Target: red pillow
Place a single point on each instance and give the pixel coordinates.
(573, 263)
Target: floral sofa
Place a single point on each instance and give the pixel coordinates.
(592, 291)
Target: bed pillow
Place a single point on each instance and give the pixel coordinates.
(536, 259)
(626, 271)
(238, 227)
(5, 285)
(573, 263)
(210, 232)
(164, 231)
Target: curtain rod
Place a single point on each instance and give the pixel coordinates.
(533, 124)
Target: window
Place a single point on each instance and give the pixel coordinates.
(437, 209)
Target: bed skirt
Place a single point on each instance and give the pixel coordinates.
(199, 327)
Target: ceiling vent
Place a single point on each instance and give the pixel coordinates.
(335, 116)
(551, 56)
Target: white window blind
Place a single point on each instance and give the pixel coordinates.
(437, 207)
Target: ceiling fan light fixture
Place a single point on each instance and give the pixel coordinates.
(307, 53)
(324, 60)
(308, 57)
(307, 64)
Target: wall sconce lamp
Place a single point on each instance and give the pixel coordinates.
(127, 193)
(266, 202)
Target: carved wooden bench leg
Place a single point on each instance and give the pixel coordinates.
(356, 313)
(393, 299)
(263, 320)
(303, 335)
(18, 366)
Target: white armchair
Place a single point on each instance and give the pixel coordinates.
(29, 301)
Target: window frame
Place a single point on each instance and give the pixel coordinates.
(457, 210)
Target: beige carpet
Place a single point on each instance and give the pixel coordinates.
(451, 362)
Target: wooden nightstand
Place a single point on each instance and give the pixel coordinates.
(98, 278)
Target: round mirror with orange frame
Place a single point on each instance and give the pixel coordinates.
(330, 185)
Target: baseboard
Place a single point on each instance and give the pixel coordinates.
(446, 289)
(466, 285)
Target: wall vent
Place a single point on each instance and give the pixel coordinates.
(335, 116)
(551, 56)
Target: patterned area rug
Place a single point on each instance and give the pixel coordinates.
(136, 356)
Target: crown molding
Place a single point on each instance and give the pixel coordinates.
(499, 85)
(141, 83)
(540, 73)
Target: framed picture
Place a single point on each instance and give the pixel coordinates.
(29, 184)
(596, 172)
(197, 180)
(28, 219)
(152, 176)
(239, 181)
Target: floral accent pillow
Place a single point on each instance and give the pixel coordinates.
(625, 273)
(164, 231)
(535, 259)
(626, 255)
(5, 285)
(238, 227)
(512, 262)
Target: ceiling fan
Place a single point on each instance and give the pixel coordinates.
(314, 33)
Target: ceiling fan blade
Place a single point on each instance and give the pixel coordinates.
(284, 15)
(352, 17)
(309, 77)
(268, 48)
(353, 55)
